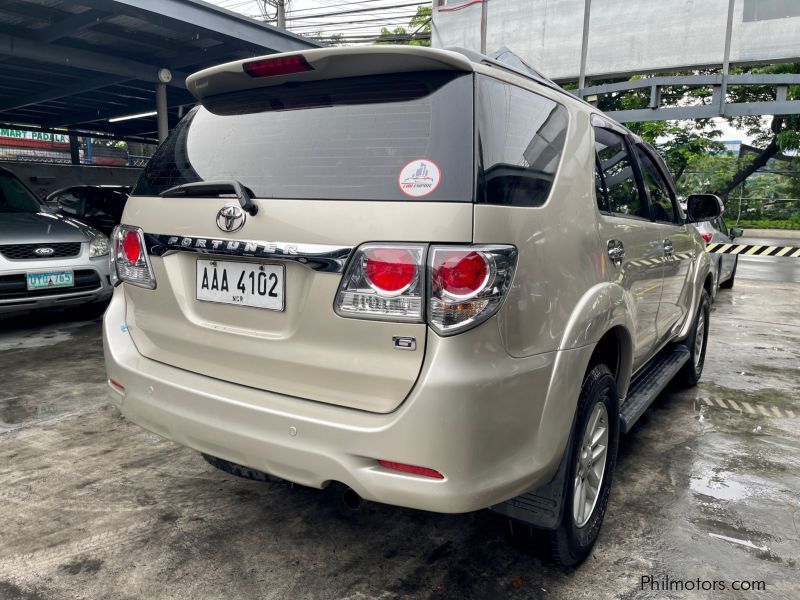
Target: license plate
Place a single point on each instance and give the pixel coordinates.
(242, 283)
(50, 279)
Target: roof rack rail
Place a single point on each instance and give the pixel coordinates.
(506, 59)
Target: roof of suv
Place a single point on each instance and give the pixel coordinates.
(354, 61)
(331, 63)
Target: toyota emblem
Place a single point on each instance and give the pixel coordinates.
(231, 218)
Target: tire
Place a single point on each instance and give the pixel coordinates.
(690, 373)
(728, 283)
(574, 538)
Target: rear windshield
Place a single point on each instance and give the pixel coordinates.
(388, 137)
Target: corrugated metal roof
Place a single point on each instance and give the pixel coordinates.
(76, 64)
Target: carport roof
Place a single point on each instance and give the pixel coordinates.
(75, 64)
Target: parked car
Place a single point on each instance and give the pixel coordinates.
(436, 279)
(724, 264)
(100, 206)
(48, 260)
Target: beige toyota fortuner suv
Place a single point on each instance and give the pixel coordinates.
(426, 275)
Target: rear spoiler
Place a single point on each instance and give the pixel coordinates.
(322, 63)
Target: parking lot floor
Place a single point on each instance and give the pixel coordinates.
(707, 486)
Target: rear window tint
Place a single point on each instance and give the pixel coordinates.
(389, 137)
(521, 137)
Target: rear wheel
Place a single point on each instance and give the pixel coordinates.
(593, 458)
(728, 283)
(696, 343)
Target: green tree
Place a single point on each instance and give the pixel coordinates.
(688, 142)
(782, 134)
(418, 34)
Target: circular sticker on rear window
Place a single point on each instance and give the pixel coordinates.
(419, 178)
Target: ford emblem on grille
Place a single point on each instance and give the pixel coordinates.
(44, 251)
(230, 218)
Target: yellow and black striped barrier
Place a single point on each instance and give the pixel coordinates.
(753, 250)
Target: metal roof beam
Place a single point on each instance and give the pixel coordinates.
(70, 25)
(82, 59)
(61, 91)
(677, 113)
(87, 118)
(214, 22)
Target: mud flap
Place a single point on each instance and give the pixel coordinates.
(542, 507)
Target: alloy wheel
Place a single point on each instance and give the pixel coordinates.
(590, 465)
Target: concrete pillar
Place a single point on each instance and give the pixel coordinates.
(281, 9)
(161, 111)
(484, 18)
(726, 58)
(74, 150)
(587, 11)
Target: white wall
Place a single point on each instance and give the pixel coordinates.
(625, 36)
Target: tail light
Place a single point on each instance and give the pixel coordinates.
(707, 237)
(273, 67)
(465, 284)
(383, 282)
(130, 262)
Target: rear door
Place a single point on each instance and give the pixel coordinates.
(675, 242)
(625, 228)
(331, 165)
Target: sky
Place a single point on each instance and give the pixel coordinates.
(311, 16)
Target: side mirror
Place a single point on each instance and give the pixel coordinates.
(735, 232)
(703, 207)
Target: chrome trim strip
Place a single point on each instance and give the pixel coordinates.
(319, 257)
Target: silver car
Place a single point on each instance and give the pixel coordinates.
(717, 231)
(48, 260)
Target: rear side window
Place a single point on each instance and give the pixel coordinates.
(521, 137)
(617, 175)
(389, 137)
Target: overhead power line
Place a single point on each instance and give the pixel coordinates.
(326, 6)
(400, 18)
(357, 10)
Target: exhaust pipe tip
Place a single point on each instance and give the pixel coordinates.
(351, 500)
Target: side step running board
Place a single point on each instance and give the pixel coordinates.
(649, 384)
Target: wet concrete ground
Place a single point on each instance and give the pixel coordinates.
(707, 486)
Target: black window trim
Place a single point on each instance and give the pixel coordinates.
(599, 169)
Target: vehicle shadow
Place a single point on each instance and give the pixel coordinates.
(16, 323)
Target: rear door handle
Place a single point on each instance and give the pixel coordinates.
(616, 252)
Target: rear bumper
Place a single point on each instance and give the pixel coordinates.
(492, 424)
